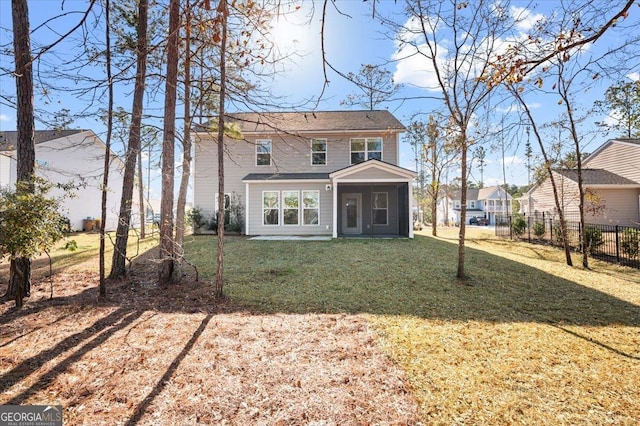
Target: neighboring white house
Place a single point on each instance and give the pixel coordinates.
(75, 157)
(611, 181)
(486, 203)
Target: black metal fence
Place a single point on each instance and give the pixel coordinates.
(610, 243)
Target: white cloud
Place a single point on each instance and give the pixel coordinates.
(634, 76)
(4, 117)
(525, 18)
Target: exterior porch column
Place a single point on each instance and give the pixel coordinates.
(410, 190)
(334, 185)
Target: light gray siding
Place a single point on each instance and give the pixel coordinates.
(290, 154)
(567, 194)
(619, 158)
(254, 211)
(620, 207)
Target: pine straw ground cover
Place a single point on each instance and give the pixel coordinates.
(310, 328)
(174, 356)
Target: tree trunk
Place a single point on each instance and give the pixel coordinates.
(223, 11)
(435, 187)
(186, 146)
(167, 249)
(143, 233)
(463, 206)
(118, 263)
(19, 281)
(107, 152)
(434, 212)
(20, 271)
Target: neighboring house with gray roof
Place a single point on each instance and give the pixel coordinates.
(481, 203)
(331, 173)
(611, 179)
(69, 157)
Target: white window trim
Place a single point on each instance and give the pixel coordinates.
(386, 209)
(456, 204)
(283, 207)
(302, 207)
(366, 148)
(258, 145)
(263, 209)
(326, 152)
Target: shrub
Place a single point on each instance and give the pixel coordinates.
(197, 218)
(593, 236)
(630, 242)
(538, 229)
(518, 225)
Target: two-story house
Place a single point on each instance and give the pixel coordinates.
(73, 157)
(611, 180)
(486, 202)
(331, 173)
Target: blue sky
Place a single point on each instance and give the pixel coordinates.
(353, 38)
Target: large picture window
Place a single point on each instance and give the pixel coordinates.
(311, 207)
(363, 149)
(263, 152)
(318, 152)
(270, 207)
(290, 207)
(380, 208)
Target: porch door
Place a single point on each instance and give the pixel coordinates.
(352, 213)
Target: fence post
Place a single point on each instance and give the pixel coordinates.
(617, 244)
(510, 229)
(529, 227)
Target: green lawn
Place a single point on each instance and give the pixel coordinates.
(525, 337)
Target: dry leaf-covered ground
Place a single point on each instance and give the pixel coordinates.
(172, 356)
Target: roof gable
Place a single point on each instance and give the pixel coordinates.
(633, 143)
(388, 169)
(314, 121)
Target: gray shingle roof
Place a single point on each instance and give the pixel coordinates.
(596, 177)
(315, 121)
(286, 176)
(8, 139)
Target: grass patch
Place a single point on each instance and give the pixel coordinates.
(529, 341)
(85, 256)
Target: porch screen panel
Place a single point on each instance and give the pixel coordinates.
(380, 208)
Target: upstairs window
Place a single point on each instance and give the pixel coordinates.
(473, 204)
(318, 152)
(363, 149)
(263, 152)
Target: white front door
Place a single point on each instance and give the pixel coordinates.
(352, 213)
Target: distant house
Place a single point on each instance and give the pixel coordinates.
(75, 157)
(485, 203)
(332, 173)
(611, 180)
